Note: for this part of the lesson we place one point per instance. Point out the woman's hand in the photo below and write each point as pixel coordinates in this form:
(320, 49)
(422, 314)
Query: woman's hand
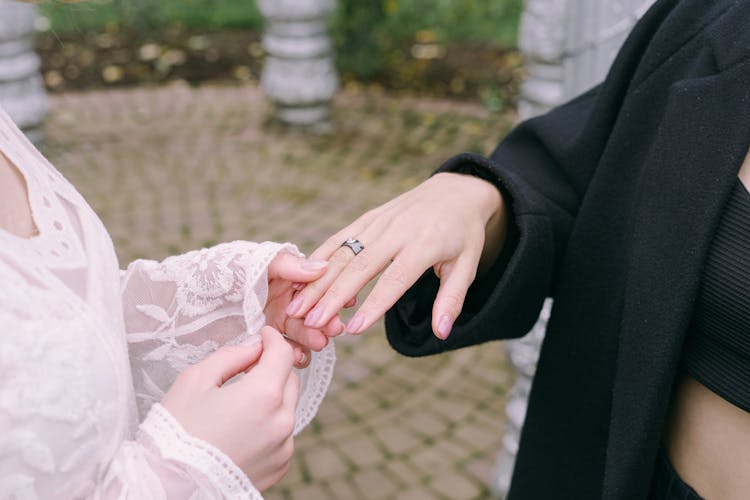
(250, 420)
(453, 223)
(286, 273)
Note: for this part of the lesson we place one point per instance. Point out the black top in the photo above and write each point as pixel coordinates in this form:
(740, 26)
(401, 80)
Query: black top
(717, 348)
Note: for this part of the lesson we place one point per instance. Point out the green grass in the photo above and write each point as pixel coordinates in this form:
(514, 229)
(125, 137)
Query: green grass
(448, 20)
(98, 15)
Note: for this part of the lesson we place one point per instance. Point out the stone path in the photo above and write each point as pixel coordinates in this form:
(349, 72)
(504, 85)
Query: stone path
(173, 168)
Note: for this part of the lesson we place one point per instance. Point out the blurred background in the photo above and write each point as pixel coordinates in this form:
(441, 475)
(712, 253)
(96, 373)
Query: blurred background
(448, 48)
(157, 115)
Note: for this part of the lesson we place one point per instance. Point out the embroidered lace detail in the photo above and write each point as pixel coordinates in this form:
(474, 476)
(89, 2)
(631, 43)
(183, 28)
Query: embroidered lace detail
(177, 445)
(196, 303)
(314, 383)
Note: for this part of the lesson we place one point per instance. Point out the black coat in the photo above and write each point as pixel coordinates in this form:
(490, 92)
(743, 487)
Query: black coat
(614, 198)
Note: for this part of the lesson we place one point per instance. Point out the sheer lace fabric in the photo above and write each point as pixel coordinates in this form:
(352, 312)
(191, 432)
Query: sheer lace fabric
(87, 351)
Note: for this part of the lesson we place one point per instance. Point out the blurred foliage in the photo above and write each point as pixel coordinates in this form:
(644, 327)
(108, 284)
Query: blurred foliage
(365, 31)
(370, 34)
(457, 48)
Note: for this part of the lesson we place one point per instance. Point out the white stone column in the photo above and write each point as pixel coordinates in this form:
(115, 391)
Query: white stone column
(21, 89)
(568, 46)
(299, 75)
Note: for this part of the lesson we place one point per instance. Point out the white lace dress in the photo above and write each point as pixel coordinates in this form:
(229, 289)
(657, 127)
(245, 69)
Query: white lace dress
(87, 351)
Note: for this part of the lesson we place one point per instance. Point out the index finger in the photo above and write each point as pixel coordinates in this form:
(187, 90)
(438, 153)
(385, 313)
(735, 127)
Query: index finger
(276, 362)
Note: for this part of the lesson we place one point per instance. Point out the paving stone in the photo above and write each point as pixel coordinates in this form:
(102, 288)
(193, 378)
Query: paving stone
(343, 490)
(415, 494)
(455, 486)
(397, 439)
(363, 452)
(325, 463)
(375, 484)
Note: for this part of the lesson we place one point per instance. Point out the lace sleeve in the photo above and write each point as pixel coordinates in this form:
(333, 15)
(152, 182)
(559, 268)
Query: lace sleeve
(181, 309)
(166, 463)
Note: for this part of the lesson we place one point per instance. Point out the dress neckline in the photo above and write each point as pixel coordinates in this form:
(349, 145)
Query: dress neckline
(56, 244)
(14, 170)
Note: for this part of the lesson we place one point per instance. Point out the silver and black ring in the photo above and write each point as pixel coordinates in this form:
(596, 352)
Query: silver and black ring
(354, 245)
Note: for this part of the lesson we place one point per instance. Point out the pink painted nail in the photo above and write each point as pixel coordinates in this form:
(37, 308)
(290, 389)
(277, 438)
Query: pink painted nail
(314, 265)
(355, 324)
(294, 306)
(301, 357)
(445, 326)
(312, 319)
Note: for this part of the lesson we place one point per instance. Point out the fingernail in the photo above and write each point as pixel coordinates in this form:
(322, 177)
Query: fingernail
(444, 327)
(252, 341)
(312, 319)
(294, 306)
(297, 286)
(355, 324)
(314, 265)
(301, 357)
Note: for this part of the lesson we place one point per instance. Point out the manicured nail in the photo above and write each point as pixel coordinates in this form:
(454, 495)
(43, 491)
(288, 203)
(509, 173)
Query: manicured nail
(252, 341)
(314, 265)
(444, 327)
(312, 319)
(355, 324)
(294, 306)
(301, 357)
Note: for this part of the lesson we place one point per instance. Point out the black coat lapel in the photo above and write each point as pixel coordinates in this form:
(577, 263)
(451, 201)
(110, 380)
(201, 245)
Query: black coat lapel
(700, 146)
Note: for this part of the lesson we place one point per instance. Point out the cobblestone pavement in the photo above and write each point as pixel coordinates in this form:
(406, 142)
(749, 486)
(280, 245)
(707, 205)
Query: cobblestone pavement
(174, 168)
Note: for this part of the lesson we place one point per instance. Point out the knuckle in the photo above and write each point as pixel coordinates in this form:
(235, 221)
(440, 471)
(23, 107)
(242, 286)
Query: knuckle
(269, 398)
(287, 449)
(340, 257)
(361, 263)
(285, 424)
(453, 300)
(334, 293)
(318, 343)
(395, 275)
(283, 470)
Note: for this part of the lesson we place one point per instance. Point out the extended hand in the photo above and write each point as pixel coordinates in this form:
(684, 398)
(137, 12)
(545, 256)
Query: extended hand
(284, 271)
(450, 222)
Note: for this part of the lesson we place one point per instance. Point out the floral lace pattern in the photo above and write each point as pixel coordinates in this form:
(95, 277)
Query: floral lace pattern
(84, 344)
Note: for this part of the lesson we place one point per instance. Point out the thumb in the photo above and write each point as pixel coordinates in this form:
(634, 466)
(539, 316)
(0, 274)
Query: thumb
(455, 279)
(289, 267)
(231, 360)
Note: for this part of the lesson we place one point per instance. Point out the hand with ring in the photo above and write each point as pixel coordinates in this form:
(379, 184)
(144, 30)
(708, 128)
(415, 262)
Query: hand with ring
(448, 223)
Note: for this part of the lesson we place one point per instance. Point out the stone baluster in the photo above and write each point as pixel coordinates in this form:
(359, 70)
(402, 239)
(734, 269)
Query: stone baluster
(568, 46)
(299, 75)
(21, 90)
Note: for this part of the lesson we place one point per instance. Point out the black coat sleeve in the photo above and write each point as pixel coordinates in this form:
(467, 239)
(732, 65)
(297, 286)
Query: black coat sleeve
(543, 168)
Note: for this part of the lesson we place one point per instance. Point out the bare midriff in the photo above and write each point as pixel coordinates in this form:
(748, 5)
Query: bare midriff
(708, 442)
(707, 438)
